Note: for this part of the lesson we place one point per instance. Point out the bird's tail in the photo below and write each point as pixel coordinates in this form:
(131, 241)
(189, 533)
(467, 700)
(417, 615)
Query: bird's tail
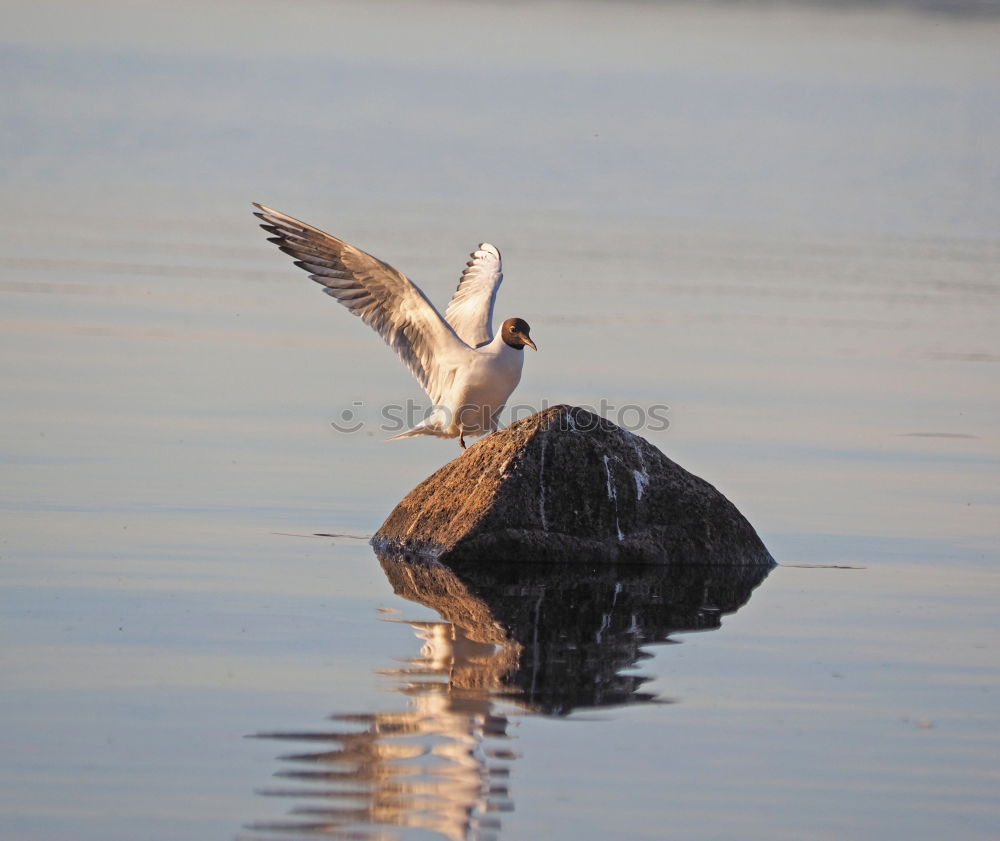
(419, 429)
(428, 426)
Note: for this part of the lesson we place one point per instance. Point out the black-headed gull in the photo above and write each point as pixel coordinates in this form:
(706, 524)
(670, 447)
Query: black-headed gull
(467, 372)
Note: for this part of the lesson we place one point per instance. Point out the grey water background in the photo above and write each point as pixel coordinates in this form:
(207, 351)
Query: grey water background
(779, 220)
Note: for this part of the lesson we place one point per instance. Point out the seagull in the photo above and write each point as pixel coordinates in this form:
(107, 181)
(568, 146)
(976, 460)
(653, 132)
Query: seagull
(467, 372)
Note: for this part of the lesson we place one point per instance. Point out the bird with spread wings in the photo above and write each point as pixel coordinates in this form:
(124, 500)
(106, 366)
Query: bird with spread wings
(466, 371)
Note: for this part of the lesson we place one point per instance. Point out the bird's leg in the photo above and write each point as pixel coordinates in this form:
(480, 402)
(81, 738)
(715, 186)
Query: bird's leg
(461, 437)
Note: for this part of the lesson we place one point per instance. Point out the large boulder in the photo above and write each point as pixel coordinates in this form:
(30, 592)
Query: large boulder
(565, 485)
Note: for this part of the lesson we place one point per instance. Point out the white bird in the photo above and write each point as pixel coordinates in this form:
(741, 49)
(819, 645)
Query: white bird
(467, 372)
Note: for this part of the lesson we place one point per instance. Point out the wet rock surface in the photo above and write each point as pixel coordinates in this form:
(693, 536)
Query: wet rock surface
(567, 486)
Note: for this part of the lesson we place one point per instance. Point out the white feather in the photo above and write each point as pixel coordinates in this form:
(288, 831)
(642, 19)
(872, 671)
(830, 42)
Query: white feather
(470, 311)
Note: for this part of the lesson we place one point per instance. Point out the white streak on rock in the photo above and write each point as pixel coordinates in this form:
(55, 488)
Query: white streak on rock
(641, 482)
(605, 624)
(613, 496)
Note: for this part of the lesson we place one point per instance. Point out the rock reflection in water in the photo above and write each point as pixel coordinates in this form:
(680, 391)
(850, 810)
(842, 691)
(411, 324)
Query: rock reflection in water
(566, 634)
(549, 639)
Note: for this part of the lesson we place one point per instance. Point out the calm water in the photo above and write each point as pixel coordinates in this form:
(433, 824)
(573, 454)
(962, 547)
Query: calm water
(778, 221)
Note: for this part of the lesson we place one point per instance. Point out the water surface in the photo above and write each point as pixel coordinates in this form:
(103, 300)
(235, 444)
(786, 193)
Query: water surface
(778, 221)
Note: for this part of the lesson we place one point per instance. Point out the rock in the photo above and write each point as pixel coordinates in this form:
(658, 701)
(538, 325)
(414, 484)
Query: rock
(565, 485)
(567, 637)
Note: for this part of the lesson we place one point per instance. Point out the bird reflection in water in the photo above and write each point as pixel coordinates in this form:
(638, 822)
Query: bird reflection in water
(537, 637)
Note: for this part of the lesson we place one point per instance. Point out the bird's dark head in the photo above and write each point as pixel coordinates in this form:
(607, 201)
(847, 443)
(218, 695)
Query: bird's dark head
(516, 333)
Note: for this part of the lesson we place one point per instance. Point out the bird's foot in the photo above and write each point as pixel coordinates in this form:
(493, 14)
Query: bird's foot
(461, 439)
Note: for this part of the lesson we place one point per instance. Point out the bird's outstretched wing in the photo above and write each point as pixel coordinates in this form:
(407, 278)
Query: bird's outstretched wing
(470, 311)
(384, 298)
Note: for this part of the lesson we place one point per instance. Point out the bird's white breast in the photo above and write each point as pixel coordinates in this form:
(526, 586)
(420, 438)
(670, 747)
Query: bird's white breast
(485, 382)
